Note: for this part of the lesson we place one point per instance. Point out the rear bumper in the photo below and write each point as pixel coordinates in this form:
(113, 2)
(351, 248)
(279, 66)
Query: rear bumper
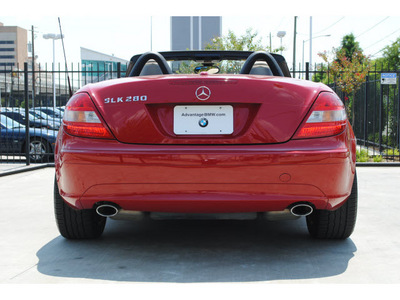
(205, 179)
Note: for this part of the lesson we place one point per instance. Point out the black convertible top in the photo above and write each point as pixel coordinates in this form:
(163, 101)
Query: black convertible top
(212, 55)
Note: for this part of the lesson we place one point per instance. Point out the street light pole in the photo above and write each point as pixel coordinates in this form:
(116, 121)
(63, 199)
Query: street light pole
(311, 38)
(151, 33)
(53, 37)
(294, 46)
(326, 35)
(281, 34)
(53, 69)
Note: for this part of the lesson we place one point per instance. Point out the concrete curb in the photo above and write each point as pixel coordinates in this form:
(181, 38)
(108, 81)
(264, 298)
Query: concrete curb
(375, 164)
(25, 169)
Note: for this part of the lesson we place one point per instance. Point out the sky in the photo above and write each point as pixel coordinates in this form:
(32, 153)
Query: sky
(123, 28)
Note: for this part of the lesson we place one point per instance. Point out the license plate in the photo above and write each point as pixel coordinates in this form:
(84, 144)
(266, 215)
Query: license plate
(203, 119)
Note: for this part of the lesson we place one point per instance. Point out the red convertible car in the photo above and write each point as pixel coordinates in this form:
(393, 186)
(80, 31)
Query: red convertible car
(206, 132)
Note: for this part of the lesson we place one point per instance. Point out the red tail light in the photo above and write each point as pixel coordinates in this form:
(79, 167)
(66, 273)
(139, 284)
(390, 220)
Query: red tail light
(81, 119)
(327, 118)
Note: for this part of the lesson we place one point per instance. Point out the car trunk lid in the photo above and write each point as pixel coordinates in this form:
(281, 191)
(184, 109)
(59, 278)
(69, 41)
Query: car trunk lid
(205, 109)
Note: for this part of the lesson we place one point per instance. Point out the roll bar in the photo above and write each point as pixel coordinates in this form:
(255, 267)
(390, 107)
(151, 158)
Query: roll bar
(265, 56)
(144, 58)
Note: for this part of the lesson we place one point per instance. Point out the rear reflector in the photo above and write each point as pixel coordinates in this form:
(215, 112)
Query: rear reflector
(81, 119)
(327, 118)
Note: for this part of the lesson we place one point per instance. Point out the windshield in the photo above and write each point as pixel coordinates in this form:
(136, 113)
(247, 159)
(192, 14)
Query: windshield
(51, 112)
(10, 123)
(31, 117)
(35, 115)
(211, 67)
(43, 115)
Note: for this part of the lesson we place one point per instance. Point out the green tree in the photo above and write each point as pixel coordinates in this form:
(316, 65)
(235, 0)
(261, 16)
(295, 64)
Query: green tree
(390, 57)
(348, 73)
(349, 45)
(250, 41)
(348, 69)
(389, 62)
(247, 42)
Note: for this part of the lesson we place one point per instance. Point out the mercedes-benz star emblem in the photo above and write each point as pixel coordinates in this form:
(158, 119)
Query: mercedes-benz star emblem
(203, 93)
(203, 122)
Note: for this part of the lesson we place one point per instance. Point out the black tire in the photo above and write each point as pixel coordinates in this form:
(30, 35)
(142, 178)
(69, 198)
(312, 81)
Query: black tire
(337, 224)
(76, 224)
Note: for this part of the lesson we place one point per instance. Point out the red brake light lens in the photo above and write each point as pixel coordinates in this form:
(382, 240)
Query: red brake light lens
(81, 119)
(327, 118)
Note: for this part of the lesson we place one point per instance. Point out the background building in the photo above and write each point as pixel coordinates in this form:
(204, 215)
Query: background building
(13, 47)
(98, 66)
(194, 33)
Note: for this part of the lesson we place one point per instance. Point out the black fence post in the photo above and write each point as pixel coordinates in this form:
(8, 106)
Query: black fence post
(118, 70)
(397, 142)
(27, 137)
(380, 119)
(307, 70)
(366, 111)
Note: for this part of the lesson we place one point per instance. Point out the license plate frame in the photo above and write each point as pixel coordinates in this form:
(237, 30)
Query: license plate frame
(203, 119)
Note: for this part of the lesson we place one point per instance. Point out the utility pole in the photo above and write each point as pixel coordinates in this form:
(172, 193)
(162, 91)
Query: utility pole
(33, 67)
(270, 42)
(311, 42)
(294, 45)
(151, 33)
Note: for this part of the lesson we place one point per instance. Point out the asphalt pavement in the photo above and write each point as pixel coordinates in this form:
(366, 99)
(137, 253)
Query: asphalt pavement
(198, 253)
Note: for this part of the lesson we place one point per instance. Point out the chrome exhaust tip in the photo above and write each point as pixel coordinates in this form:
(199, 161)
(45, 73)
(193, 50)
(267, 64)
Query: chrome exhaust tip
(107, 210)
(301, 210)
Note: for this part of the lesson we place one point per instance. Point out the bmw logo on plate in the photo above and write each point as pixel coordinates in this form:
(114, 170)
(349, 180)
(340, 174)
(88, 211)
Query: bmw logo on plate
(203, 122)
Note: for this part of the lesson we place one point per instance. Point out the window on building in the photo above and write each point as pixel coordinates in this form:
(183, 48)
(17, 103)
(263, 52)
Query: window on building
(95, 71)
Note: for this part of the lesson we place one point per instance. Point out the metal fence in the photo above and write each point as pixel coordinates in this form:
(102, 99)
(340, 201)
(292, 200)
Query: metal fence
(34, 99)
(374, 110)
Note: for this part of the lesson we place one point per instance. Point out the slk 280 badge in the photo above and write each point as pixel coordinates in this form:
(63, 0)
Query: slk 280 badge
(125, 99)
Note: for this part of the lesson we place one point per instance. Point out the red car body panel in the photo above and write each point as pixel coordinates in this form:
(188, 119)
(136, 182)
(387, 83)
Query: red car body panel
(266, 109)
(257, 168)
